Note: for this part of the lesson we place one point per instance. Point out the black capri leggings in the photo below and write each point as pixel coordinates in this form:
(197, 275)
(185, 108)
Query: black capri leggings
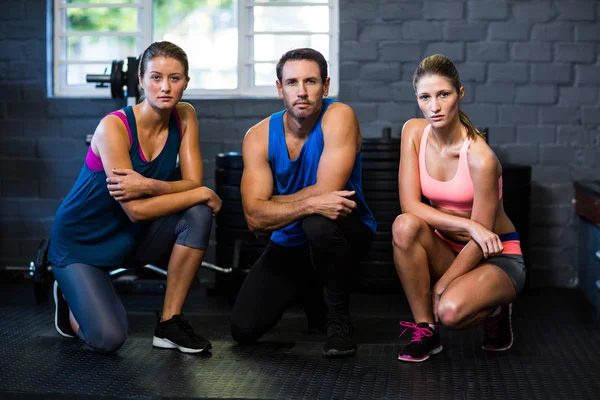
(89, 290)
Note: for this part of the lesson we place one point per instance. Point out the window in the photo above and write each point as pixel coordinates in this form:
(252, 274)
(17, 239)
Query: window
(232, 45)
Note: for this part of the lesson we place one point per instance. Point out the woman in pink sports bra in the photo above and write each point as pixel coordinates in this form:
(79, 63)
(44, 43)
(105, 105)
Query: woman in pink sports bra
(462, 243)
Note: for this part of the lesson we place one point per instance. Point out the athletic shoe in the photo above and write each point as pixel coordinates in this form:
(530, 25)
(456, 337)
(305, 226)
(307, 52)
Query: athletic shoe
(61, 314)
(425, 342)
(339, 339)
(176, 333)
(498, 335)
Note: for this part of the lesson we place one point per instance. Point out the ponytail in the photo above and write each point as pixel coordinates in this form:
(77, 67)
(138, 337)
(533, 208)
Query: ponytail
(472, 132)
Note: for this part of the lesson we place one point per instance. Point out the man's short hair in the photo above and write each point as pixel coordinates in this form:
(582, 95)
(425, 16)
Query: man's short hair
(303, 54)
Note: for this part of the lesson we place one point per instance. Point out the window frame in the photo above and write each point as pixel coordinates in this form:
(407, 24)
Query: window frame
(143, 35)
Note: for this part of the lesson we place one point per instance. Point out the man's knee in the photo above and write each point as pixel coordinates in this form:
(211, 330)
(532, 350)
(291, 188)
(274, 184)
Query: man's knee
(243, 335)
(318, 229)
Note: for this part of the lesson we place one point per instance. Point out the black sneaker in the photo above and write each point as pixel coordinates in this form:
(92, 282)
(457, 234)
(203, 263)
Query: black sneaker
(176, 333)
(339, 339)
(61, 314)
(498, 335)
(425, 342)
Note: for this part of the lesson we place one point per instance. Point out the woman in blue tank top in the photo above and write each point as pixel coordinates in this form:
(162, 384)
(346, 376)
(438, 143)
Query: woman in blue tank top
(124, 211)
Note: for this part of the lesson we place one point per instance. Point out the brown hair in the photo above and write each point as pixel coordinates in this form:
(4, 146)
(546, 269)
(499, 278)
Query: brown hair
(303, 54)
(167, 50)
(438, 64)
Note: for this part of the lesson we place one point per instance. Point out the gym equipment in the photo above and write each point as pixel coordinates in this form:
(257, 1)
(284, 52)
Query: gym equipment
(123, 82)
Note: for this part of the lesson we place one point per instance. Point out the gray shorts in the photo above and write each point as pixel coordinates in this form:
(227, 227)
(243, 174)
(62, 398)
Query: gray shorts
(513, 265)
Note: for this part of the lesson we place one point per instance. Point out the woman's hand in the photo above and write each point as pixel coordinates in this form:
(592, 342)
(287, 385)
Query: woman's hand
(490, 243)
(214, 201)
(126, 184)
(436, 293)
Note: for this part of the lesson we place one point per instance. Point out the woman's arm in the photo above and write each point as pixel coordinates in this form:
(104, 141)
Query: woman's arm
(111, 142)
(126, 184)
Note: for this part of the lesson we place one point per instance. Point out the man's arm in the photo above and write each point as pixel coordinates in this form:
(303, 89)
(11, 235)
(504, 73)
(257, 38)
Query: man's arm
(341, 143)
(261, 211)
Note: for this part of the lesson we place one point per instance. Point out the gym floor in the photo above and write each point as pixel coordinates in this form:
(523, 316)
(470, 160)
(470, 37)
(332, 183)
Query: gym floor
(556, 355)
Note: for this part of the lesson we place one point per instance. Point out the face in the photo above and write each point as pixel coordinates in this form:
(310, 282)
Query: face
(301, 88)
(438, 100)
(164, 82)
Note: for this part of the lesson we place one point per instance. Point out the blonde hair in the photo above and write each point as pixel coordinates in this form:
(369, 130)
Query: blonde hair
(438, 64)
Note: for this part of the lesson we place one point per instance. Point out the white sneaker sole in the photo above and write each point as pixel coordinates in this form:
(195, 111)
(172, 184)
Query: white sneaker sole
(55, 294)
(167, 344)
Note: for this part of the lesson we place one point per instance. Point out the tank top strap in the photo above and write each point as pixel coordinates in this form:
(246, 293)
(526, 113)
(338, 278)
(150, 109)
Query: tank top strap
(132, 126)
(463, 154)
(423, 146)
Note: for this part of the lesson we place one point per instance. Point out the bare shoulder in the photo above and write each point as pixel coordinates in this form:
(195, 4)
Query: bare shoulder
(256, 140)
(185, 109)
(258, 132)
(186, 112)
(482, 158)
(338, 113)
(413, 128)
(110, 126)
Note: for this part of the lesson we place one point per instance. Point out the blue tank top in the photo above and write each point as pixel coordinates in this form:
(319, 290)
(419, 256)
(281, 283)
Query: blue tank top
(294, 175)
(90, 226)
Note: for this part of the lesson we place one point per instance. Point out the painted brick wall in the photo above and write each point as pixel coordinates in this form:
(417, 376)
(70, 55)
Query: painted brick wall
(530, 68)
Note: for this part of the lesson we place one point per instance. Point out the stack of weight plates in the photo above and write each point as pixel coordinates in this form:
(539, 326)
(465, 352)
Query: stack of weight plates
(380, 160)
(237, 247)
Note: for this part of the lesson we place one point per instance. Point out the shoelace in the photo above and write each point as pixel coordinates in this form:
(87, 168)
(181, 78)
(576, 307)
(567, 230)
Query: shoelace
(338, 328)
(185, 326)
(418, 332)
(490, 326)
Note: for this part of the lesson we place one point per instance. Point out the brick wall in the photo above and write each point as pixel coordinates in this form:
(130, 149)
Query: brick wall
(530, 68)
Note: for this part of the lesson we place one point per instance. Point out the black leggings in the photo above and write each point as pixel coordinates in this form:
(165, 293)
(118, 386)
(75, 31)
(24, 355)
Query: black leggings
(89, 290)
(285, 276)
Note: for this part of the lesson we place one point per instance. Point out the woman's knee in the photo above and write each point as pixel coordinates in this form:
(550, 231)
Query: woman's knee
(406, 229)
(107, 339)
(451, 313)
(194, 229)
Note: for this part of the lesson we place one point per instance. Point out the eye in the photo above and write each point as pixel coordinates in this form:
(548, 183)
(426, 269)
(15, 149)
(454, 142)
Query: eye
(155, 77)
(423, 97)
(175, 78)
(444, 94)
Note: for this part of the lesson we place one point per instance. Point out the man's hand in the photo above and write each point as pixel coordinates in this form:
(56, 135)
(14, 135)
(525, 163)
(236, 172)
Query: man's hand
(127, 185)
(333, 205)
(490, 243)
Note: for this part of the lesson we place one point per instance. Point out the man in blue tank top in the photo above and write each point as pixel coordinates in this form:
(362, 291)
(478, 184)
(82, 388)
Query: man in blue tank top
(320, 223)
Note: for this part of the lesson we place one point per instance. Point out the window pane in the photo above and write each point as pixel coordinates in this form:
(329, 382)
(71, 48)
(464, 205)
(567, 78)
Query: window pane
(289, 1)
(102, 19)
(291, 19)
(87, 48)
(264, 75)
(99, 1)
(207, 32)
(272, 47)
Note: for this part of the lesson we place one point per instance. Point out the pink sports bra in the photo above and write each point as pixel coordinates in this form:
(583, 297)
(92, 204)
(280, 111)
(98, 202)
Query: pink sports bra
(455, 194)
